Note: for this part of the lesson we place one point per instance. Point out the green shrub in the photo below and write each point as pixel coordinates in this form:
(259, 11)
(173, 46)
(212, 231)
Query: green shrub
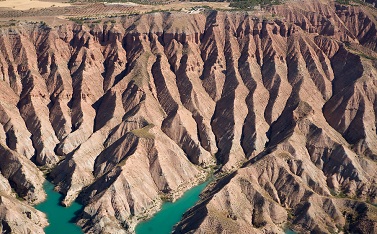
(250, 4)
(344, 2)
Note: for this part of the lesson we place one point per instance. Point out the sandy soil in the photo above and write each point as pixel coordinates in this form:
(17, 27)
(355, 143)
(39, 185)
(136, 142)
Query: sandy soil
(28, 4)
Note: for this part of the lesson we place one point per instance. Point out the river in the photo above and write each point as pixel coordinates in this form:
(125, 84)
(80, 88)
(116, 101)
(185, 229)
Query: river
(59, 217)
(171, 213)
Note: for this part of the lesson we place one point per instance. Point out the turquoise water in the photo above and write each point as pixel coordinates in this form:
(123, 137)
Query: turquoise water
(58, 216)
(170, 213)
(289, 231)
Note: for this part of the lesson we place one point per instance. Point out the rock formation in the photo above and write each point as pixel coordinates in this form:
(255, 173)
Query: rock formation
(124, 115)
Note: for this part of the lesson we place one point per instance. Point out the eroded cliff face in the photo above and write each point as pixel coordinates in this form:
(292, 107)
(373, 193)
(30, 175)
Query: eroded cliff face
(126, 114)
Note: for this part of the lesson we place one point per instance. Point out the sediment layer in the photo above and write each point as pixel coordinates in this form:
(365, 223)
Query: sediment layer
(129, 113)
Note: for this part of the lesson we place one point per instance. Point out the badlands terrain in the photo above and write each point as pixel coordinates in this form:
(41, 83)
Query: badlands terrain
(125, 112)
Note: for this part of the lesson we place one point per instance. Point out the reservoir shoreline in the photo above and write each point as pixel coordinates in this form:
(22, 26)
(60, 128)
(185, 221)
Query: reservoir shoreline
(171, 213)
(60, 218)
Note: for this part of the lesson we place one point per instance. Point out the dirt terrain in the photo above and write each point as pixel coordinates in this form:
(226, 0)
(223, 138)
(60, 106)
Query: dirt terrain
(28, 4)
(55, 13)
(124, 112)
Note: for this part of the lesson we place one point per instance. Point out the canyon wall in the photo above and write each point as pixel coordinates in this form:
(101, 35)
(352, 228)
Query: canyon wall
(125, 115)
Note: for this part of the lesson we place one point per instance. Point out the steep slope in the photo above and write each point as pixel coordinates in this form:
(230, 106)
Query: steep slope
(17, 216)
(124, 115)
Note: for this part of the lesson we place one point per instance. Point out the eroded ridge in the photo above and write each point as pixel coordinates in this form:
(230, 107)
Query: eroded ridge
(127, 114)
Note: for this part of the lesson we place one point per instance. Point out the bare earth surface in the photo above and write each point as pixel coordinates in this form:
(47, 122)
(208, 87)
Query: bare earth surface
(57, 12)
(126, 111)
(28, 4)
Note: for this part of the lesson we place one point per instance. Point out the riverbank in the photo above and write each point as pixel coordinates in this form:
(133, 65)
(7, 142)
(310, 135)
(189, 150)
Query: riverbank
(171, 212)
(60, 218)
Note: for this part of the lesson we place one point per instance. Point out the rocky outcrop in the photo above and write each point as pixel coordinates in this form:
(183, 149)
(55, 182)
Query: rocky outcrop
(15, 215)
(125, 115)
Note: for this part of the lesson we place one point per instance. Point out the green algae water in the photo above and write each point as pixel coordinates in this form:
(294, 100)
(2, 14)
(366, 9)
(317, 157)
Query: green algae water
(171, 213)
(59, 217)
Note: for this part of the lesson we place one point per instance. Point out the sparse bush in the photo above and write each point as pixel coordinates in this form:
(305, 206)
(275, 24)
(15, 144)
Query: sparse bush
(77, 20)
(344, 2)
(250, 4)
